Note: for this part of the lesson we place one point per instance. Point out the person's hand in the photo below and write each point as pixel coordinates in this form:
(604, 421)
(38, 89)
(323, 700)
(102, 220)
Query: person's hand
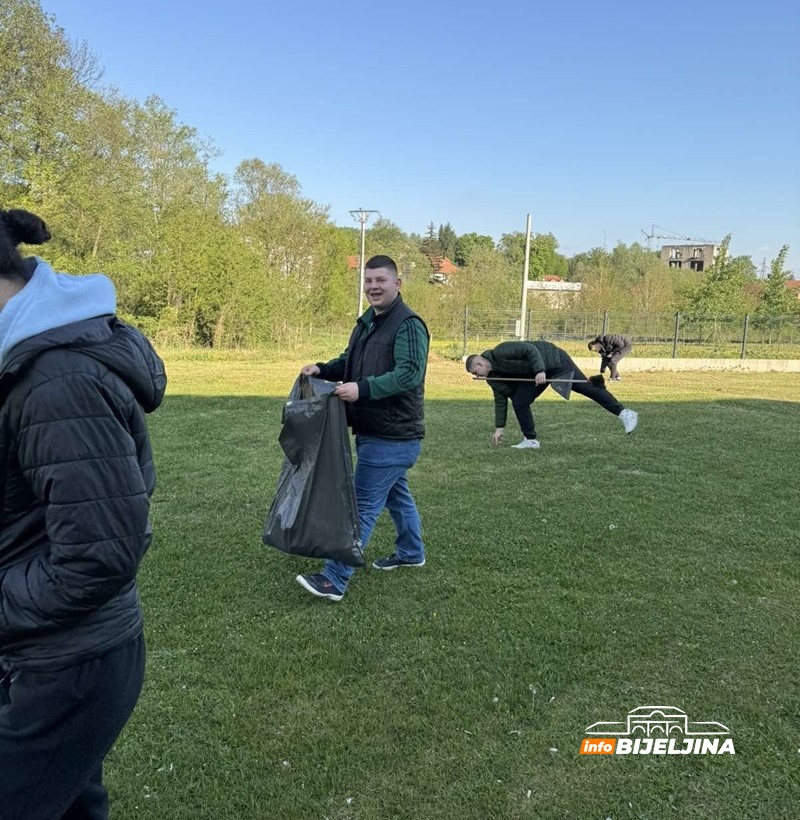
(540, 378)
(309, 370)
(498, 436)
(347, 391)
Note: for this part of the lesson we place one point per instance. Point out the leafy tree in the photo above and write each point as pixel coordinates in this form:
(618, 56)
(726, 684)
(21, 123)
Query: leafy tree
(291, 237)
(512, 247)
(545, 259)
(340, 285)
(386, 238)
(654, 292)
(722, 290)
(775, 298)
(467, 244)
(37, 95)
(98, 215)
(487, 282)
(647, 285)
(632, 263)
(181, 227)
(602, 288)
(44, 102)
(582, 264)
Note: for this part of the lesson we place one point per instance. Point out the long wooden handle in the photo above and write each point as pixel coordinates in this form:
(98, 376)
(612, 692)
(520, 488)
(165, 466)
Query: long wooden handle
(512, 379)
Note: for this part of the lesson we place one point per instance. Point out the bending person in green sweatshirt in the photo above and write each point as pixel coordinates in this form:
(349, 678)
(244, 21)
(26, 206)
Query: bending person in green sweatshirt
(537, 361)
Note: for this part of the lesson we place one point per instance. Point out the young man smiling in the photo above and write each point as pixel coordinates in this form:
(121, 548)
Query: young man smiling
(383, 382)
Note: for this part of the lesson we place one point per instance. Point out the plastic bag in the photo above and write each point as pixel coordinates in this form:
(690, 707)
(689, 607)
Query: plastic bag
(314, 511)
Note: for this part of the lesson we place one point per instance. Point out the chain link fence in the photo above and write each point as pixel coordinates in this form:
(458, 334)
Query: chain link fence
(673, 335)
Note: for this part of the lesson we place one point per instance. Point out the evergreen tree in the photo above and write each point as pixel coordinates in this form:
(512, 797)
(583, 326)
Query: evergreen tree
(447, 241)
(430, 247)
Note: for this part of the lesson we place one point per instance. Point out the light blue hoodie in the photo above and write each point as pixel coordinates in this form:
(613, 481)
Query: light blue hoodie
(50, 300)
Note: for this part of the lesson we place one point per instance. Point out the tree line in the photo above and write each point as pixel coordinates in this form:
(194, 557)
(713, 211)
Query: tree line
(246, 259)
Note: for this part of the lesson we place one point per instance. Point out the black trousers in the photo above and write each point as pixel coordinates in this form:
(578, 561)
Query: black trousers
(56, 729)
(527, 392)
(613, 360)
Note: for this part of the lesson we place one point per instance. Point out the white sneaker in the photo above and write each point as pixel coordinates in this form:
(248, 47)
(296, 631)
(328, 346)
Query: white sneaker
(527, 444)
(629, 419)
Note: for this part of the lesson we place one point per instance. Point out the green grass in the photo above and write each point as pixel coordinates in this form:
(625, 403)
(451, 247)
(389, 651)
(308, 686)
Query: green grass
(563, 586)
(453, 349)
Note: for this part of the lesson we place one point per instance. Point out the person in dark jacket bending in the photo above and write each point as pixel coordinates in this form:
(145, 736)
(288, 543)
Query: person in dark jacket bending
(383, 375)
(537, 362)
(76, 475)
(611, 348)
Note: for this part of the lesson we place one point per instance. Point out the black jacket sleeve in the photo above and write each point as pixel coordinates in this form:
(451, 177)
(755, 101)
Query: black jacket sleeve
(77, 454)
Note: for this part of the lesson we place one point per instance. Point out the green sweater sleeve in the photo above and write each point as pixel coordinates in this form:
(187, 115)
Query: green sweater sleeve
(410, 357)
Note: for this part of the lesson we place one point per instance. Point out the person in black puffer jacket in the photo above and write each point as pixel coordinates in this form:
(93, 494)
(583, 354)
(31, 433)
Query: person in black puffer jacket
(76, 476)
(612, 348)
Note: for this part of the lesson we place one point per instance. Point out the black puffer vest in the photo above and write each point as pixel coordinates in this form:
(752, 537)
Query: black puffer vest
(371, 353)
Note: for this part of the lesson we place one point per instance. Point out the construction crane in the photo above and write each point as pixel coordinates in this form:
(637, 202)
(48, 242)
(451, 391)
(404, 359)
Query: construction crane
(665, 234)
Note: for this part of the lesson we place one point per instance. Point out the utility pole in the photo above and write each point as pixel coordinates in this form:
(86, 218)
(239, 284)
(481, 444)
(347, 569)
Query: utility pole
(362, 216)
(525, 268)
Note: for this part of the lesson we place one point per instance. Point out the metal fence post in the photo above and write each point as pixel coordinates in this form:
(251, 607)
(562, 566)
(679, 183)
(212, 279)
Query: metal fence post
(466, 324)
(675, 336)
(744, 335)
(528, 328)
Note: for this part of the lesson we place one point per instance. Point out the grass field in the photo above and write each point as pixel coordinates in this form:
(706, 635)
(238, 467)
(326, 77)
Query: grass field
(564, 586)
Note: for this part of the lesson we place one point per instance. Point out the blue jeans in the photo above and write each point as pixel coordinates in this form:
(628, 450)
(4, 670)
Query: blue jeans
(380, 480)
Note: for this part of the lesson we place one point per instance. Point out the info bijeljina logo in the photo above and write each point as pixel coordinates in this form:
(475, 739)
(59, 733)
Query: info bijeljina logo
(658, 730)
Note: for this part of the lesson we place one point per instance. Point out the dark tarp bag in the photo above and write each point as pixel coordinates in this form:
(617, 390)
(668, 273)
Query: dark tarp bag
(314, 511)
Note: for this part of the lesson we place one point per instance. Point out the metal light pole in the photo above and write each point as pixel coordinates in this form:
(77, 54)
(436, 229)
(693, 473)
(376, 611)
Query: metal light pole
(362, 217)
(525, 269)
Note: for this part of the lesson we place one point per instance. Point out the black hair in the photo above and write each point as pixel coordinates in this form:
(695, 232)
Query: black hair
(17, 227)
(470, 359)
(375, 262)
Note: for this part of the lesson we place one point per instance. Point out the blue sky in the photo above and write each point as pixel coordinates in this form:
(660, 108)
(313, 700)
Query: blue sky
(599, 118)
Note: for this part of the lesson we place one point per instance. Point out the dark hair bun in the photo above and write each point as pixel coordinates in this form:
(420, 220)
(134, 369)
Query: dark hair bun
(23, 226)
